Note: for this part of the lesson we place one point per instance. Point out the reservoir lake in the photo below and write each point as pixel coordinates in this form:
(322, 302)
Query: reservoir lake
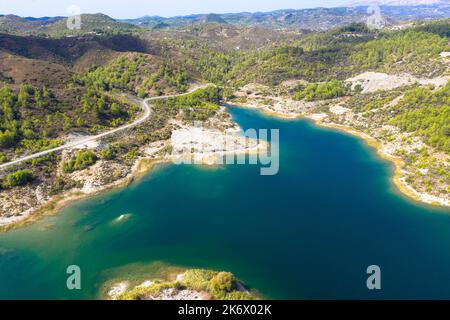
(309, 232)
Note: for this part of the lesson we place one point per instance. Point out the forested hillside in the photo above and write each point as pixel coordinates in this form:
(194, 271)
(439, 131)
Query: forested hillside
(138, 73)
(32, 119)
(426, 112)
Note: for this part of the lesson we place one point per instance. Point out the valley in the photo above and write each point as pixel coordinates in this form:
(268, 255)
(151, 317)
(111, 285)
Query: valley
(124, 147)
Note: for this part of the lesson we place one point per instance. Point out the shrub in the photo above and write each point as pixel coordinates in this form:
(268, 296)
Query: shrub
(198, 279)
(108, 153)
(81, 161)
(7, 139)
(223, 281)
(18, 178)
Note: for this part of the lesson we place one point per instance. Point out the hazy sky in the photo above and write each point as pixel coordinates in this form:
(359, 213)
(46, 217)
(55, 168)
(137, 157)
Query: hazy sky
(165, 8)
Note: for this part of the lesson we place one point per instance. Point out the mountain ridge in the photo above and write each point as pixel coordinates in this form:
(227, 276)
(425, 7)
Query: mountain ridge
(315, 19)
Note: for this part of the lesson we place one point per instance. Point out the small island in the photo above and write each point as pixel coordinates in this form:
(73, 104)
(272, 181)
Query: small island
(192, 284)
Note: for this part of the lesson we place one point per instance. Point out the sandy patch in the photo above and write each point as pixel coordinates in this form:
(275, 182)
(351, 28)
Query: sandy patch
(5, 220)
(424, 197)
(317, 116)
(74, 137)
(173, 294)
(339, 110)
(118, 289)
(180, 277)
(207, 146)
(375, 81)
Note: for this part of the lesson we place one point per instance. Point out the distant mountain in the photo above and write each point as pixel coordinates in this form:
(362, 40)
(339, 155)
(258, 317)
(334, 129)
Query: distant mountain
(392, 11)
(224, 36)
(16, 25)
(94, 23)
(181, 21)
(398, 2)
(212, 18)
(57, 26)
(312, 19)
(44, 18)
(161, 25)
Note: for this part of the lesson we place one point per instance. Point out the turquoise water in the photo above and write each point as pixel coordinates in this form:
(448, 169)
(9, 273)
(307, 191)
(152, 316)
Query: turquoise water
(307, 233)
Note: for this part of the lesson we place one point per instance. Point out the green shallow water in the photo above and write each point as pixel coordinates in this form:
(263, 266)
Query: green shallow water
(307, 233)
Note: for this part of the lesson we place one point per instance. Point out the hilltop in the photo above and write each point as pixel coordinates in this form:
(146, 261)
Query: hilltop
(57, 26)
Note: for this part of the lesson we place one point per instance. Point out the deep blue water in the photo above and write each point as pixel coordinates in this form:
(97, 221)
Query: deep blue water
(309, 232)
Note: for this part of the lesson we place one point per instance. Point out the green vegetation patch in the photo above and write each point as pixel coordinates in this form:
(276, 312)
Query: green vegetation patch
(81, 161)
(322, 91)
(138, 73)
(406, 51)
(426, 112)
(32, 118)
(441, 28)
(17, 179)
(199, 105)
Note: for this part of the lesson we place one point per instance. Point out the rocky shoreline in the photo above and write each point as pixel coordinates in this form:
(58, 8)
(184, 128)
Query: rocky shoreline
(398, 179)
(204, 146)
(333, 114)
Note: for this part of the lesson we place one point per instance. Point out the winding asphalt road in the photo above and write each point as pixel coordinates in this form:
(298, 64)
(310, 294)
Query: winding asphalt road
(147, 113)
